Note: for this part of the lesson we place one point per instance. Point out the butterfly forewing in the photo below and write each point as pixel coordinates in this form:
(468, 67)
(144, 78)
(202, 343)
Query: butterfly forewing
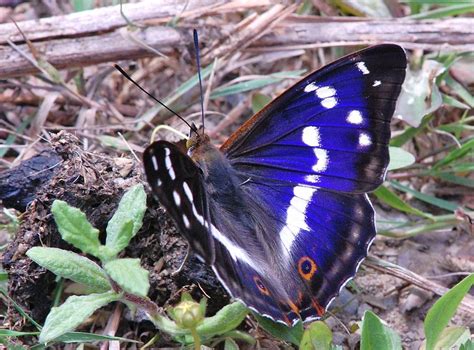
(177, 182)
(331, 129)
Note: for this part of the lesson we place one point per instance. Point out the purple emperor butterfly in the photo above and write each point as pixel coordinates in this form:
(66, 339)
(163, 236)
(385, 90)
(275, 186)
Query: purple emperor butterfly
(281, 211)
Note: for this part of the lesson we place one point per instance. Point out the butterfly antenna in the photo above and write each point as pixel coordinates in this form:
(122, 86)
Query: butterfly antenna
(198, 63)
(193, 128)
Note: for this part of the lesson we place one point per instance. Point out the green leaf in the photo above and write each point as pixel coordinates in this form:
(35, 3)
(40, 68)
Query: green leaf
(377, 336)
(364, 8)
(460, 90)
(463, 181)
(465, 149)
(129, 275)
(290, 334)
(317, 336)
(390, 198)
(225, 320)
(441, 203)
(82, 337)
(255, 83)
(469, 345)
(230, 344)
(11, 333)
(114, 142)
(240, 336)
(444, 309)
(127, 220)
(72, 266)
(399, 158)
(3, 276)
(259, 101)
(445, 11)
(72, 313)
(453, 102)
(451, 338)
(75, 228)
(410, 132)
(83, 5)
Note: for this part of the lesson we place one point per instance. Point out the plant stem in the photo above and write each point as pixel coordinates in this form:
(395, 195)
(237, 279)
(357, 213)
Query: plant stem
(197, 339)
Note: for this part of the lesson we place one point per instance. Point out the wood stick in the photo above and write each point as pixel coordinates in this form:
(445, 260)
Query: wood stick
(91, 37)
(466, 305)
(450, 34)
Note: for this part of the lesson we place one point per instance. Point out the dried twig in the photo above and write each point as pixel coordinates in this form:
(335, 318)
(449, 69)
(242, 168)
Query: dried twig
(91, 37)
(467, 304)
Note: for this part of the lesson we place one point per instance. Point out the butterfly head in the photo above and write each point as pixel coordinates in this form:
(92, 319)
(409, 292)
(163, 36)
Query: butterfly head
(197, 142)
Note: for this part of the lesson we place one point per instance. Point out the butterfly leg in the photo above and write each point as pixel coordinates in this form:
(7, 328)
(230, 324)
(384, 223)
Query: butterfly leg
(178, 270)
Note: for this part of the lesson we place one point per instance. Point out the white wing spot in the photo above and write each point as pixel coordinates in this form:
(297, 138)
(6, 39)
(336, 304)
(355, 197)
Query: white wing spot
(176, 198)
(311, 136)
(171, 171)
(296, 216)
(186, 221)
(321, 161)
(158, 182)
(168, 164)
(329, 103)
(310, 87)
(376, 83)
(155, 163)
(325, 91)
(364, 140)
(312, 178)
(362, 67)
(354, 117)
(236, 252)
(188, 192)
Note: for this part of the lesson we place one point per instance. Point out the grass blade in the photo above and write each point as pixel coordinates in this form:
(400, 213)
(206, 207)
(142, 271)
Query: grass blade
(437, 202)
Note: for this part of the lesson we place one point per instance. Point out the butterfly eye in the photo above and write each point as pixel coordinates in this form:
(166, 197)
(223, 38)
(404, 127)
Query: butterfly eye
(261, 287)
(306, 267)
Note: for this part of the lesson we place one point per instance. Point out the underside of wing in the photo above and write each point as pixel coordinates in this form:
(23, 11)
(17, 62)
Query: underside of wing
(330, 130)
(177, 182)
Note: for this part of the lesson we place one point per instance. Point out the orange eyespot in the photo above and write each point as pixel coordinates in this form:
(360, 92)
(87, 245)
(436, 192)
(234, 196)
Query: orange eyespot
(306, 267)
(261, 287)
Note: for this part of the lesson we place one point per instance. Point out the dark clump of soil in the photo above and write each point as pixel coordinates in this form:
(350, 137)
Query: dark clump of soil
(95, 183)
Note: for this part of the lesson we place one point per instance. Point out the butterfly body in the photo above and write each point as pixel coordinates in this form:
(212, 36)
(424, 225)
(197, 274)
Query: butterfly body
(280, 211)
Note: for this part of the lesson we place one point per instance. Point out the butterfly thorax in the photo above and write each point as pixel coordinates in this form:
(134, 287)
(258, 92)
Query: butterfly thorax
(222, 181)
(228, 196)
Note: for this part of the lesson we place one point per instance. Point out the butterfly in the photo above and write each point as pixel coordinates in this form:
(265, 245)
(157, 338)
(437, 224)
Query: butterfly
(280, 211)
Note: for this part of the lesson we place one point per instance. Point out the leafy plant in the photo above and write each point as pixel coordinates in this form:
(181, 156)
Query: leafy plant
(120, 279)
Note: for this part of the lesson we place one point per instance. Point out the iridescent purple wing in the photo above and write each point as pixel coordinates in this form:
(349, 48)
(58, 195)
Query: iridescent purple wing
(309, 157)
(331, 129)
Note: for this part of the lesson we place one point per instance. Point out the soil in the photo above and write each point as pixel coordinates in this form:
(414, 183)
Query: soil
(95, 183)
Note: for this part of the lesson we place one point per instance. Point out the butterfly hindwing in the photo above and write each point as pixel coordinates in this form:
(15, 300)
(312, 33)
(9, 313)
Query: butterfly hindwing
(331, 129)
(323, 237)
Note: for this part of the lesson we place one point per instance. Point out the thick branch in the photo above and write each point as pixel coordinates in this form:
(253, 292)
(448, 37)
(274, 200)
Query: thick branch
(452, 34)
(91, 37)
